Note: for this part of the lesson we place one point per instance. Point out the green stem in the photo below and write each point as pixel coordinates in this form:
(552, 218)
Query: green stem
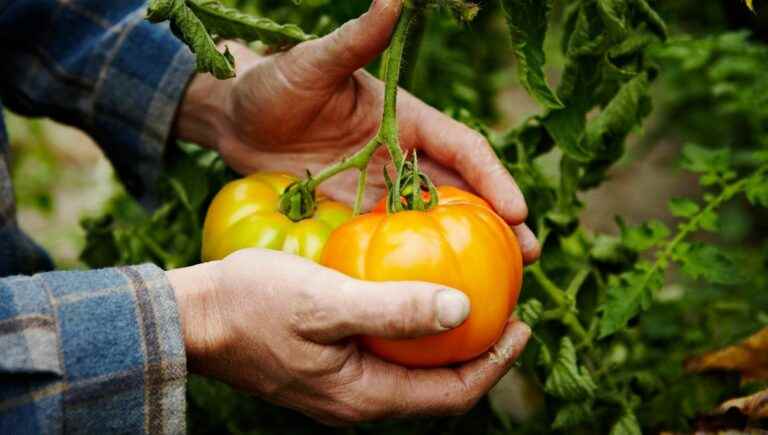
(388, 133)
(554, 292)
(694, 224)
(362, 177)
(393, 60)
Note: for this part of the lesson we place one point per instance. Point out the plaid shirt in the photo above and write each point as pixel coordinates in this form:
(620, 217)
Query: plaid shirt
(98, 351)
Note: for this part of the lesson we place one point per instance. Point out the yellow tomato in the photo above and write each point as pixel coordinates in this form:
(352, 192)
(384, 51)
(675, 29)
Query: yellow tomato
(245, 214)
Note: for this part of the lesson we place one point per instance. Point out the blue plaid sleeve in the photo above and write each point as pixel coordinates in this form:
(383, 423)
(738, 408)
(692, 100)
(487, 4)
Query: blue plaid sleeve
(100, 66)
(91, 352)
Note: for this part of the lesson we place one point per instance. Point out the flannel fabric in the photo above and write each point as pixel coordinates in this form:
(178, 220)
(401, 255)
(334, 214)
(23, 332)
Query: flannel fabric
(98, 351)
(91, 352)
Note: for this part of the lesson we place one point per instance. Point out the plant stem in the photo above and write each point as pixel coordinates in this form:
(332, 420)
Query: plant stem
(728, 192)
(393, 60)
(388, 133)
(554, 292)
(362, 177)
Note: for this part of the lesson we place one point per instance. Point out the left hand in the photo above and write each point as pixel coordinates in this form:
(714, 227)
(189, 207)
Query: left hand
(306, 108)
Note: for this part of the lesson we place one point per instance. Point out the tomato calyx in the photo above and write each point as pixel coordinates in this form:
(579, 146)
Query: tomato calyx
(411, 188)
(299, 201)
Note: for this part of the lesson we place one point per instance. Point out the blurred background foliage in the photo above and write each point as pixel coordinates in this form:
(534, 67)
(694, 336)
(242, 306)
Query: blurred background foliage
(712, 91)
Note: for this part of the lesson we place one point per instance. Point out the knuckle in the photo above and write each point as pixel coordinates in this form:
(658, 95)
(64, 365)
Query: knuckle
(312, 316)
(408, 315)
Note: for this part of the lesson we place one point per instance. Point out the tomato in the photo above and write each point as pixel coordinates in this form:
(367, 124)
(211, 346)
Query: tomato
(460, 243)
(245, 214)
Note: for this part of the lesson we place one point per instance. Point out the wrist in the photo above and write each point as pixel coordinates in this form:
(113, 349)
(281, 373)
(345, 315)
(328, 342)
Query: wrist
(202, 328)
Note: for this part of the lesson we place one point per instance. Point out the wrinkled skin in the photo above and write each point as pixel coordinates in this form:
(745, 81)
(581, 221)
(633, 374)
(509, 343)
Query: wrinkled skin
(279, 326)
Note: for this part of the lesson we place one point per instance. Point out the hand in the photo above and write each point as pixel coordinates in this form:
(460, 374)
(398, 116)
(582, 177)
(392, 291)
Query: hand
(308, 107)
(279, 326)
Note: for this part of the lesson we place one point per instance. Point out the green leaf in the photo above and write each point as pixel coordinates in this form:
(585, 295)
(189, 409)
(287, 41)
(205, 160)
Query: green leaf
(626, 425)
(757, 191)
(527, 21)
(229, 23)
(613, 13)
(709, 221)
(645, 236)
(606, 133)
(652, 18)
(567, 380)
(573, 414)
(529, 312)
(699, 159)
(710, 263)
(627, 295)
(683, 207)
(196, 22)
(609, 249)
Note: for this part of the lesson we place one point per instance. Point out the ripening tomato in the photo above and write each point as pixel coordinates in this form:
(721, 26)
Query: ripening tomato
(461, 243)
(245, 214)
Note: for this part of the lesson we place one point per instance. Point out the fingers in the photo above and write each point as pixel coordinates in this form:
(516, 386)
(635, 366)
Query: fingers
(529, 244)
(387, 390)
(352, 46)
(386, 309)
(457, 146)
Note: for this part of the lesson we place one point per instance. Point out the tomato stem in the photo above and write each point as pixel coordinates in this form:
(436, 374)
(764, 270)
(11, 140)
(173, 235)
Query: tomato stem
(388, 134)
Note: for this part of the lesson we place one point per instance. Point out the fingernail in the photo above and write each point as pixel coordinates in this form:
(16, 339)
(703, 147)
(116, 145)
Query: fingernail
(452, 308)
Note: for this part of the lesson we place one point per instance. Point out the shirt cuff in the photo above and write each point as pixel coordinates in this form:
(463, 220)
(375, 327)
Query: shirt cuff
(104, 353)
(142, 82)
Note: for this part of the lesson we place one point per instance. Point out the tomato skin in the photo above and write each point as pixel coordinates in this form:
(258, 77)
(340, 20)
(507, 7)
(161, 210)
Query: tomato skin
(245, 214)
(462, 244)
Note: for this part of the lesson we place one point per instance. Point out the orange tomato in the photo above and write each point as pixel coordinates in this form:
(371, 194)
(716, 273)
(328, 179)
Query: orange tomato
(461, 243)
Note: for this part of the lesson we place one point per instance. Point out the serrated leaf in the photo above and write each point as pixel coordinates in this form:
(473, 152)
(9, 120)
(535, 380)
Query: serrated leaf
(528, 21)
(645, 236)
(567, 380)
(196, 22)
(683, 207)
(613, 13)
(626, 109)
(757, 191)
(627, 296)
(710, 263)
(573, 414)
(696, 158)
(529, 312)
(626, 425)
(652, 18)
(230, 23)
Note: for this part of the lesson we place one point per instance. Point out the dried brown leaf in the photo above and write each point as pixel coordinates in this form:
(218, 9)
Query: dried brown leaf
(750, 358)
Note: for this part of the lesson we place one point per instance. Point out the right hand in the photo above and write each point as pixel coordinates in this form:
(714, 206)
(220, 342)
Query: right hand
(279, 326)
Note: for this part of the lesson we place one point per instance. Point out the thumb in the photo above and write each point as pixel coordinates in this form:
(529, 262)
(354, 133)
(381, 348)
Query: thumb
(394, 310)
(351, 46)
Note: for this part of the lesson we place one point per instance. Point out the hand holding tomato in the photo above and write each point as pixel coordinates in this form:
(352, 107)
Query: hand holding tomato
(314, 104)
(278, 325)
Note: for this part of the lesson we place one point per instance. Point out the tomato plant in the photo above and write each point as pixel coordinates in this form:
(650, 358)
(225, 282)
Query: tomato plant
(616, 311)
(246, 214)
(460, 243)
